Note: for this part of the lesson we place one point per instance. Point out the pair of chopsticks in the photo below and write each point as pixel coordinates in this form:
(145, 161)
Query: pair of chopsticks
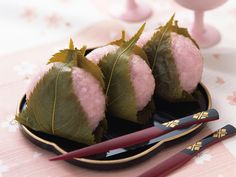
(179, 159)
(141, 136)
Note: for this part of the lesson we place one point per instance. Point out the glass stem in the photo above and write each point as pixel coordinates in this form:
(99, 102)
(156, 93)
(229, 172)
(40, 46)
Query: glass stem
(198, 24)
(131, 4)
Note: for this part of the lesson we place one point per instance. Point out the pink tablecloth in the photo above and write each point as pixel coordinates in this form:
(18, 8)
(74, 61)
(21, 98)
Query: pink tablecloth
(31, 32)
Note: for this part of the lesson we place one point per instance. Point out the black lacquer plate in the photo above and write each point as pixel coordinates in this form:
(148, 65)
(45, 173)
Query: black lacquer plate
(121, 158)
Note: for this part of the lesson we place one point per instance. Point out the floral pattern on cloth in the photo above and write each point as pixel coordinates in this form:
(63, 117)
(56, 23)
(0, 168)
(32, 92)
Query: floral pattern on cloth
(232, 98)
(29, 14)
(203, 157)
(3, 168)
(25, 69)
(220, 80)
(10, 124)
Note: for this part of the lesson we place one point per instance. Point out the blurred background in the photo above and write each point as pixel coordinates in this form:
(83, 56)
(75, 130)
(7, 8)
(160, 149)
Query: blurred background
(31, 23)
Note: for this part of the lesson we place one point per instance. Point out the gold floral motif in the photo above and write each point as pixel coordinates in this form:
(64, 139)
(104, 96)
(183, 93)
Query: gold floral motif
(200, 115)
(220, 133)
(171, 123)
(196, 146)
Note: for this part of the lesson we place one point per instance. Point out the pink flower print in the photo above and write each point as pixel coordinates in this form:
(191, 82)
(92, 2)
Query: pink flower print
(203, 157)
(29, 14)
(36, 154)
(233, 12)
(3, 168)
(216, 56)
(25, 69)
(53, 20)
(10, 124)
(220, 80)
(232, 98)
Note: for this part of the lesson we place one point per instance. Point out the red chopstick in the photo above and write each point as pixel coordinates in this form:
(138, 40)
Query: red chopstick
(141, 136)
(182, 157)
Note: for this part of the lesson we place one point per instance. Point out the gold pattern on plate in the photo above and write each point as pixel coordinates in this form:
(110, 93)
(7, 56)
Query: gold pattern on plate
(171, 123)
(200, 115)
(220, 133)
(196, 146)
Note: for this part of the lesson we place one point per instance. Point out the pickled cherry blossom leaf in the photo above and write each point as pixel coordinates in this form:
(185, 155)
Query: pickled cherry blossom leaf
(100, 130)
(83, 50)
(183, 31)
(119, 88)
(145, 114)
(66, 55)
(121, 100)
(75, 57)
(140, 52)
(71, 45)
(90, 67)
(158, 50)
(136, 50)
(120, 41)
(53, 108)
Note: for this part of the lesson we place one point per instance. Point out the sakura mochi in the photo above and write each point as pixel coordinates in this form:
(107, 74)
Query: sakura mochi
(175, 59)
(66, 99)
(140, 72)
(129, 80)
(85, 87)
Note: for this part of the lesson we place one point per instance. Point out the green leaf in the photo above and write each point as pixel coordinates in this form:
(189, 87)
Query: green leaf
(124, 51)
(83, 50)
(121, 41)
(100, 130)
(119, 89)
(140, 52)
(158, 50)
(75, 57)
(71, 45)
(54, 109)
(182, 31)
(90, 67)
(136, 50)
(66, 56)
(144, 115)
(163, 32)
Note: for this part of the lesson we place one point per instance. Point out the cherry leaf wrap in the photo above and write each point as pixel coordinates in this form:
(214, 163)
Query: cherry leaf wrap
(66, 55)
(75, 57)
(67, 119)
(136, 49)
(146, 113)
(53, 106)
(90, 67)
(158, 50)
(118, 86)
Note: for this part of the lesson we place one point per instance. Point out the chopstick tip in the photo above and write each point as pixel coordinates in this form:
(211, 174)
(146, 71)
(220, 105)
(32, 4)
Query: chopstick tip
(55, 158)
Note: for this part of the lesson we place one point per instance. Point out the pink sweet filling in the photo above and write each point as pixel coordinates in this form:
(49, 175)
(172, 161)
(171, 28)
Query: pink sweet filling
(188, 61)
(142, 80)
(36, 79)
(90, 95)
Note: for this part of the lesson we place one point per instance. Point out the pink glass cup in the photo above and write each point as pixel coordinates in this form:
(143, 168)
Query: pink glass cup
(205, 35)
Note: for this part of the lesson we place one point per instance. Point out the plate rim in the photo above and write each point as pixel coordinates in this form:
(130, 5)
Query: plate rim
(122, 160)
